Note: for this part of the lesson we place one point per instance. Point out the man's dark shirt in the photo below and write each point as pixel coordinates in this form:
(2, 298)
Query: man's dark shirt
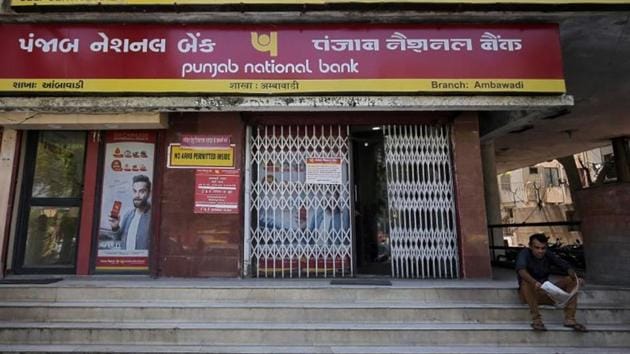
(539, 269)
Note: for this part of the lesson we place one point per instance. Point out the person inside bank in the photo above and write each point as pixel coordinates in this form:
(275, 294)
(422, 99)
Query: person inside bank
(133, 229)
(533, 268)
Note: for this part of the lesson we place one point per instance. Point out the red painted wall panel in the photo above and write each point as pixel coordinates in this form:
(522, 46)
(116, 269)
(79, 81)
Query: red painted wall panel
(199, 245)
(84, 251)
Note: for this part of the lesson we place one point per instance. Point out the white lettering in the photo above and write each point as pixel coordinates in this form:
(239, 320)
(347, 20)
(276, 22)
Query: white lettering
(194, 43)
(343, 45)
(336, 68)
(27, 45)
(213, 69)
(271, 67)
(491, 42)
(125, 45)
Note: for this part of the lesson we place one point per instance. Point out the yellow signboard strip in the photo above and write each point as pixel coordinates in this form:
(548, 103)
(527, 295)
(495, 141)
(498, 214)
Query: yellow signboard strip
(295, 2)
(248, 86)
(180, 157)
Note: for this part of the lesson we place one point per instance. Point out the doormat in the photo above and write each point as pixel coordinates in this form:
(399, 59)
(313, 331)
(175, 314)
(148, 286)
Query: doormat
(30, 281)
(377, 282)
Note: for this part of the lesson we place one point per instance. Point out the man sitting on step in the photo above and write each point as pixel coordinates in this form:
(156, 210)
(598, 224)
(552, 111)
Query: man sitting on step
(533, 268)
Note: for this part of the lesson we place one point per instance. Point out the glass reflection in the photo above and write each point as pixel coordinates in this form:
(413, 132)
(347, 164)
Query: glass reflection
(52, 236)
(59, 164)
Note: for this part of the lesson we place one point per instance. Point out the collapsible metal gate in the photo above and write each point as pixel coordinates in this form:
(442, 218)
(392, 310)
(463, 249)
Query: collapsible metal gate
(421, 202)
(296, 227)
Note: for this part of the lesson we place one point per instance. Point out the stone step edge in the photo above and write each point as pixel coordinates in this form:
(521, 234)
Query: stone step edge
(452, 349)
(172, 304)
(282, 284)
(281, 326)
(286, 285)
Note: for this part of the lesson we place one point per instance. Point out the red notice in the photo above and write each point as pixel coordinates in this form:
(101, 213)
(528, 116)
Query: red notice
(217, 191)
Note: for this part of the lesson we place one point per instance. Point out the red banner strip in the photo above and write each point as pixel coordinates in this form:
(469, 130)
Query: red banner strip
(277, 59)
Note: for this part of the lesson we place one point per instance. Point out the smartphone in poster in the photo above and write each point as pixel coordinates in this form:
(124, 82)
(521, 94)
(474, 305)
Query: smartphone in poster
(125, 220)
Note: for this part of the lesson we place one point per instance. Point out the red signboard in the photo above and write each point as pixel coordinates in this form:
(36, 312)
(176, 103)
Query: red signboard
(126, 135)
(78, 58)
(217, 191)
(192, 141)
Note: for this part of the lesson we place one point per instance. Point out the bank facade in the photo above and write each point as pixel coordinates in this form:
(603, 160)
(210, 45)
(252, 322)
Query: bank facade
(298, 150)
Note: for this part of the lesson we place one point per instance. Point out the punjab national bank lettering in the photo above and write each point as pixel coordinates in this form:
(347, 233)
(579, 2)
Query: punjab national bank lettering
(277, 60)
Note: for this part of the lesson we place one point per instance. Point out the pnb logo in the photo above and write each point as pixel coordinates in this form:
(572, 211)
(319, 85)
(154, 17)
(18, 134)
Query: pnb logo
(266, 43)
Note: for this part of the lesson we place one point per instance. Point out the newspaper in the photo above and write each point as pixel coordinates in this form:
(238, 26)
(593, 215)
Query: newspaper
(560, 297)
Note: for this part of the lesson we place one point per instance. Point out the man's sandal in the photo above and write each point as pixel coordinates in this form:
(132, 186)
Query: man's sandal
(578, 327)
(539, 327)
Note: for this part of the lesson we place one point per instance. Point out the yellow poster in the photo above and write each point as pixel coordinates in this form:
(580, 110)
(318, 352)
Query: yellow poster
(181, 157)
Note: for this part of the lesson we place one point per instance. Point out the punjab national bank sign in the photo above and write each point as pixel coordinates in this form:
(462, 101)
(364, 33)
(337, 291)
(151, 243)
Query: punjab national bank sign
(291, 59)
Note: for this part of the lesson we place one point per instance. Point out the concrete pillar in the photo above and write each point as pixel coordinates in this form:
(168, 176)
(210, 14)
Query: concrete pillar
(8, 156)
(573, 175)
(491, 195)
(605, 224)
(471, 210)
(622, 159)
(605, 228)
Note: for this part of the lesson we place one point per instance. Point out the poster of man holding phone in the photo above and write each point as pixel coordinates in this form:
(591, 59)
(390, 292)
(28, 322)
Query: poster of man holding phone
(133, 229)
(124, 234)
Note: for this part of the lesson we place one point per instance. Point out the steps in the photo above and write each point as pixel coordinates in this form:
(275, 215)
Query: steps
(246, 316)
(91, 311)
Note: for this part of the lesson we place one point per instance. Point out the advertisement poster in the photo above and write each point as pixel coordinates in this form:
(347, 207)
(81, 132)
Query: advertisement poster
(217, 191)
(125, 220)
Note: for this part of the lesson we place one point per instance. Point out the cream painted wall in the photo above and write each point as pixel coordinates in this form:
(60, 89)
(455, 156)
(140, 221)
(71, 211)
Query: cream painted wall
(7, 158)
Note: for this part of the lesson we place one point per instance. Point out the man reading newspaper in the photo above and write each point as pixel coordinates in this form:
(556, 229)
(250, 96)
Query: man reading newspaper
(533, 267)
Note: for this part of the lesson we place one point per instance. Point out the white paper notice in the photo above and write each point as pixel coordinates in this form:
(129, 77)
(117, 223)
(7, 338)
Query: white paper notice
(323, 170)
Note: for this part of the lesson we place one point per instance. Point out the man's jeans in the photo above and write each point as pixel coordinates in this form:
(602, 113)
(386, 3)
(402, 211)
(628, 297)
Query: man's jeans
(534, 297)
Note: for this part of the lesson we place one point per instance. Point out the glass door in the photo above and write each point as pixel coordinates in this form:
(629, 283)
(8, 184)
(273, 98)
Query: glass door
(50, 205)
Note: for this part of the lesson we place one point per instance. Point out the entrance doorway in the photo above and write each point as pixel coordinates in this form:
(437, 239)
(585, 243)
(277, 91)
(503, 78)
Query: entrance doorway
(50, 202)
(404, 201)
(373, 254)
(307, 217)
